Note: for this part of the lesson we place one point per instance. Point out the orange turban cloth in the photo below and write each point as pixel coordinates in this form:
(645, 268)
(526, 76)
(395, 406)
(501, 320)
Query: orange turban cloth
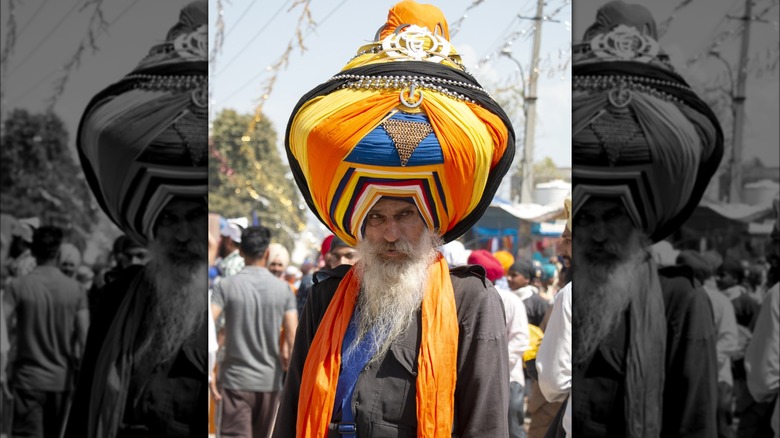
(143, 140)
(402, 119)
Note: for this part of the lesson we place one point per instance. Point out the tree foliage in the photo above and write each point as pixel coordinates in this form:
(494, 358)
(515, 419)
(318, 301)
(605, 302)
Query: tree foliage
(247, 176)
(39, 176)
(545, 170)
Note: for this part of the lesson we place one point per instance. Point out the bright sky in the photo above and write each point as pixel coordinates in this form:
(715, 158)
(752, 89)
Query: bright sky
(257, 33)
(48, 34)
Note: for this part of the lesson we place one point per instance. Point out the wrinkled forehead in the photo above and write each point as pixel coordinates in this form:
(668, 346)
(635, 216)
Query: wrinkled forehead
(608, 204)
(600, 206)
(391, 205)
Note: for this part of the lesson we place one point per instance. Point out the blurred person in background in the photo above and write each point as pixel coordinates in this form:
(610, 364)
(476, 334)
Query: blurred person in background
(553, 360)
(257, 307)
(278, 259)
(50, 317)
(517, 336)
(69, 259)
(230, 261)
(727, 344)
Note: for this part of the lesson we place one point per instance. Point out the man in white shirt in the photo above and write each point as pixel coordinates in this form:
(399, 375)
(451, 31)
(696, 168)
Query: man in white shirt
(553, 360)
(517, 336)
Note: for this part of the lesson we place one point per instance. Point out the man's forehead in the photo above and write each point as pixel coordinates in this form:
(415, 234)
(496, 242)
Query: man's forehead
(602, 205)
(392, 205)
(343, 250)
(184, 206)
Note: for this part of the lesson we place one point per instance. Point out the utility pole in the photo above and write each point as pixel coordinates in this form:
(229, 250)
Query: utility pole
(739, 109)
(527, 187)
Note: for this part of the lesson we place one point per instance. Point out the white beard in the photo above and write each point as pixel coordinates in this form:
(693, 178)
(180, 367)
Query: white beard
(391, 290)
(604, 289)
(177, 307)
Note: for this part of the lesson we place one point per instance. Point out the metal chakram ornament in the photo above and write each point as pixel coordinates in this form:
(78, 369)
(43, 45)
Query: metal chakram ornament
(624, 43)
(619, 96)
(411, 94)
(194, 45)
(410, 43)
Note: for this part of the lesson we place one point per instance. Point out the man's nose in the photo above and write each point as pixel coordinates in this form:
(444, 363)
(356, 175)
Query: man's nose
(599, 232)
(183, 232)
(392, 230)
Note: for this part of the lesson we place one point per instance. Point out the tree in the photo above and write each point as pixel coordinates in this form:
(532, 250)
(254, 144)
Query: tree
(545, 170)
(247, 175)
(40, 177)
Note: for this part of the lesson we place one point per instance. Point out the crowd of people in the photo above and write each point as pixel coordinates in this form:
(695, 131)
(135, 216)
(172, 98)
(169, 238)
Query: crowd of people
(395, 328)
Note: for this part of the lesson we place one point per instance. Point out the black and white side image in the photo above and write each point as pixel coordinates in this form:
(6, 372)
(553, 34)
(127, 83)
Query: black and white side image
(104, 219)
(674, 202)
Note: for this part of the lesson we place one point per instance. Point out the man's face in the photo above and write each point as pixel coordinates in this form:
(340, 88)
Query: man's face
(724, 279)
(68, 267)
(516, 280)
(182, 229)
(342, 255)
(390, 223)
(277, 267)
(564, 246)
(134, 256)
(603, 229)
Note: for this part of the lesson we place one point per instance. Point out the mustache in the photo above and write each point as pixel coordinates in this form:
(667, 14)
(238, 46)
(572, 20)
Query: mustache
(609, 252)
(403, 247)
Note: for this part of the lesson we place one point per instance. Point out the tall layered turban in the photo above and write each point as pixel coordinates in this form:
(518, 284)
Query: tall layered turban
(402, 119)
(142, 141)
(639, 132)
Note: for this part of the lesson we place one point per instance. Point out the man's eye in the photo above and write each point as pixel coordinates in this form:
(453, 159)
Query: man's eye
(166, 218)
(197, 214)
(375, 219)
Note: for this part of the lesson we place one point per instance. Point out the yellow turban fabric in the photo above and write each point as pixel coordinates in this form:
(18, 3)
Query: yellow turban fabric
(402, 119)
(143, 140)
(639, 132)
(505, 258)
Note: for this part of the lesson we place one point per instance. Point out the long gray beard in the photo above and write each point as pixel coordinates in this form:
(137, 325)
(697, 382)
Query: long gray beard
(602, 292)
(391, 291)
(177, 308)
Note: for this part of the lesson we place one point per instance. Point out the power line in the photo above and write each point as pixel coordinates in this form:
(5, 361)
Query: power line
(243, 14)
(254, 78)
(42, 80)
(35, 14)
(262, 28)
(48, 35)
(32, 88)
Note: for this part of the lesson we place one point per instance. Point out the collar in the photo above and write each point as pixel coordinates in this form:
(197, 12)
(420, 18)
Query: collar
(526, 292)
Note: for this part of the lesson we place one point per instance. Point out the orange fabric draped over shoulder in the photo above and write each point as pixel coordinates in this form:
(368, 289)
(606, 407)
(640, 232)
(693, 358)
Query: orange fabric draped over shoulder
(437, 360)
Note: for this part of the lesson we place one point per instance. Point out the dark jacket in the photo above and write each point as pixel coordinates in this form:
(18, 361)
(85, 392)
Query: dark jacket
(384, 399)
(690, 383)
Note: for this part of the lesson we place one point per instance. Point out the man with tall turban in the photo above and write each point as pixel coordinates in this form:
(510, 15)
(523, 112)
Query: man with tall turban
(400, 151)
(143, 147)
(644, 148)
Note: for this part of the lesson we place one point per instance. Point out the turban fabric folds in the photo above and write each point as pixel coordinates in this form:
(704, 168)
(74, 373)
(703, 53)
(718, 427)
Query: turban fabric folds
(639, 132)
(143, 140)
(403, 119)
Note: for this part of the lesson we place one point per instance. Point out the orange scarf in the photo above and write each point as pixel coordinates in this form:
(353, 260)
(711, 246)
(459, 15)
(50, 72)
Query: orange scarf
(437, 360)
